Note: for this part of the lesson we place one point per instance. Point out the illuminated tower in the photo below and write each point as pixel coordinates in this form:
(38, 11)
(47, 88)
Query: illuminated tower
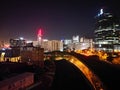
(107, 32)
(39, 37)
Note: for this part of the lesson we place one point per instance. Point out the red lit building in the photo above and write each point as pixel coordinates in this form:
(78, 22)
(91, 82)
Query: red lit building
(19, 82)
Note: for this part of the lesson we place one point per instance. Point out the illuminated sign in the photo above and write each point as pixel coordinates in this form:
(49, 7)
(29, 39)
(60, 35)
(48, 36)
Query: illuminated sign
(101, 12)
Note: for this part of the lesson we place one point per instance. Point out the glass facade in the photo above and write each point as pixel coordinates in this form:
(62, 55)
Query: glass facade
(107, 32)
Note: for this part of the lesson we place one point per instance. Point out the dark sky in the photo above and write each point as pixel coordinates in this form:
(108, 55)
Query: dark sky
(58, 19)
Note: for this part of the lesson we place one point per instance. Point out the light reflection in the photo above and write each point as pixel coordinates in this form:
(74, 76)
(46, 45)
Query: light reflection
(94, 80)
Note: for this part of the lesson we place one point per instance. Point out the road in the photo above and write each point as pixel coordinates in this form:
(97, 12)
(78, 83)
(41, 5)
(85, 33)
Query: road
(108, 73)
(89, 74)
(101, 74)
(69, 77)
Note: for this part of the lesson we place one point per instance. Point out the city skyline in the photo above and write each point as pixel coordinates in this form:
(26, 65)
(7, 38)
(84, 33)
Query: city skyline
(57, 19)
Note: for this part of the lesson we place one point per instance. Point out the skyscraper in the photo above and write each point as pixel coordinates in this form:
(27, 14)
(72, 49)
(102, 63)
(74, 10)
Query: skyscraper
(107, 32)
(39, 37)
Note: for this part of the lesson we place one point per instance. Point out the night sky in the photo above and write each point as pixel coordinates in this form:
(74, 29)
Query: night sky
(58, 19)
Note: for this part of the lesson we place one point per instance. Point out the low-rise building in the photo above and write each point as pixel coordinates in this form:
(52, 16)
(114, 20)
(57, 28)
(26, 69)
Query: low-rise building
(19, 82)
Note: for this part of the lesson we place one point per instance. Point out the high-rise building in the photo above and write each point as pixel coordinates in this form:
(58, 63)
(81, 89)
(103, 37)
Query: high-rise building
(76, 39)
(39, 37)
(107, 32)
(50, 45)
(77, 43)
(17, 42)
(25, 51)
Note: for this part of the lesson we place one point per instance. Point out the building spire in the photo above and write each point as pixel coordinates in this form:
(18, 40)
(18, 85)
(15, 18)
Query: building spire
(39, 36)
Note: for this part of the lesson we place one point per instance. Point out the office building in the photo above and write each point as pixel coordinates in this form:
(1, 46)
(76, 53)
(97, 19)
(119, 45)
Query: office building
(107, 32)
